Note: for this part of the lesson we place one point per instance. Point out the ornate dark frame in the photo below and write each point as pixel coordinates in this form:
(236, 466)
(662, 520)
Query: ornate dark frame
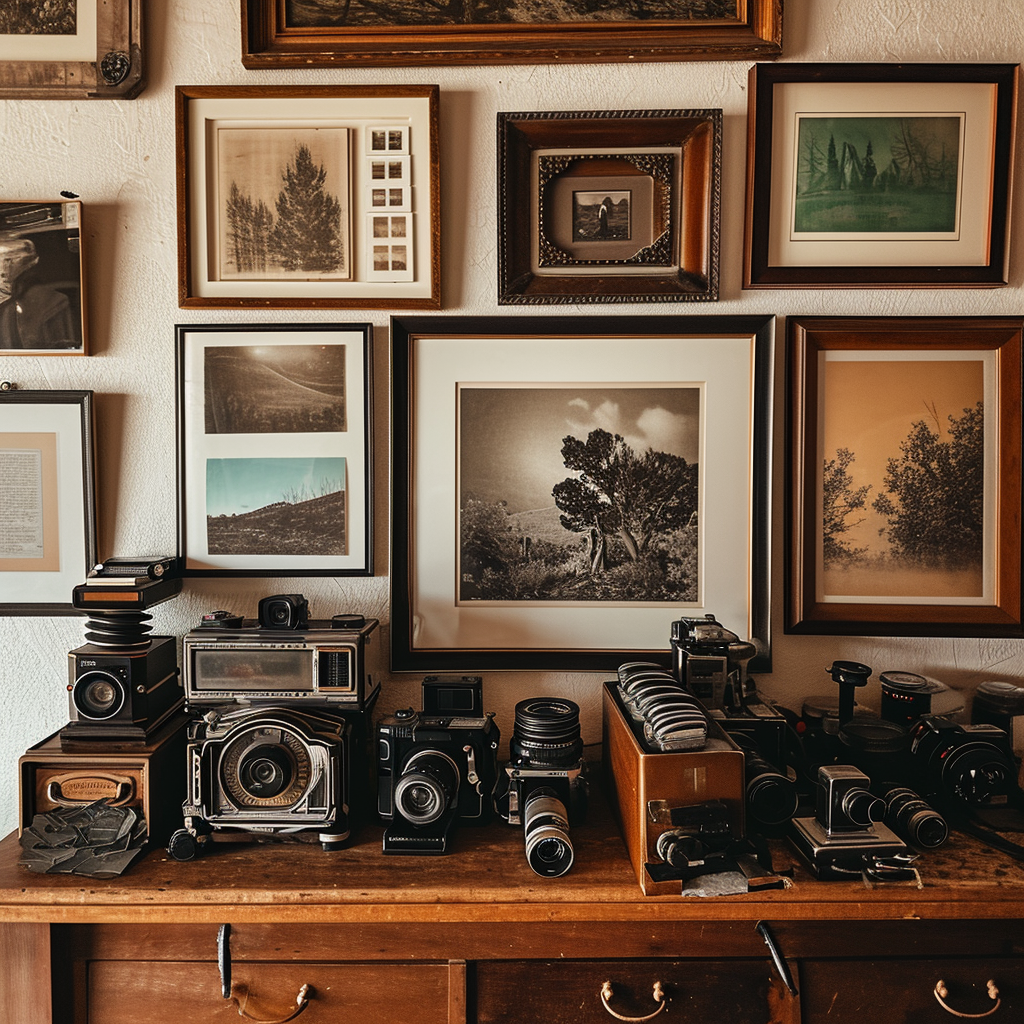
(267, 41)
(689, 274)
(807, 338)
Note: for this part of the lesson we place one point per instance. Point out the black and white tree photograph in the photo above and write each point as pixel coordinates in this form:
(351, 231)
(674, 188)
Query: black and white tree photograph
(903, 486)
(274, 389)
(283, 206)
(579, 494)
(38, 17)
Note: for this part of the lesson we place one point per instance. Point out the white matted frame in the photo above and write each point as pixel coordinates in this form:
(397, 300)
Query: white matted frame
(866, 148)
(434, 627)
(48, 520)
(224, 137)
(275, 449)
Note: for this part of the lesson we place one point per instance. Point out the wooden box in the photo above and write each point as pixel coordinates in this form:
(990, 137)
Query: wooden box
(635, 777)
(149, 778)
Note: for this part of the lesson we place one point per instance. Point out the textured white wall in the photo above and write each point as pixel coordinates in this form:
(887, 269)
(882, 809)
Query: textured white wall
(119, 157)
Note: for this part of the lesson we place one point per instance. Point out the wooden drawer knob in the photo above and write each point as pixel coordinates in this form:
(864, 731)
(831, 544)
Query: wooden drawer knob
(942, 993)
(659, 997)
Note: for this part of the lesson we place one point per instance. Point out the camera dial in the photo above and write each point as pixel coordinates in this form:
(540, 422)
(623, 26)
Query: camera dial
(428, 787)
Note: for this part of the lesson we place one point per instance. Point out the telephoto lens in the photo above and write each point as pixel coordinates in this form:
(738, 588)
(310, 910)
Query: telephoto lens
(546, 827)
(914, 820)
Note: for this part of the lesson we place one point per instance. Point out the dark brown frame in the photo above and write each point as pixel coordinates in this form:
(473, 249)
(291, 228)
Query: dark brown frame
(807, 338)
(759, 272)
(115, 73)
(268, 43)
(691, 271)
(428, 212)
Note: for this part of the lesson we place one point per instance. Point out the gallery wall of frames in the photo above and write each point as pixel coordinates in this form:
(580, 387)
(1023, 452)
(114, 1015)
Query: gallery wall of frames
(384, 315)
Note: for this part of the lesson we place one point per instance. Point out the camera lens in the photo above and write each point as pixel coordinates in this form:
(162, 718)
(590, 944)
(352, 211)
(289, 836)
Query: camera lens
(862, 807)
(771, 796)
(427, 788)
(546, 828)
(265, 771)
(547, 732)
(914, 820)
(98, 695)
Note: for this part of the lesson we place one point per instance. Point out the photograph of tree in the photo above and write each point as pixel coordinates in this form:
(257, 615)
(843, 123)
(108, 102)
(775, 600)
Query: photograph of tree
(38, 17)
(337, 13)
(271, 506)
(283, 204)
(599, 216)
(579, 493)
(903, 486)
(886, 175)
(274, 389)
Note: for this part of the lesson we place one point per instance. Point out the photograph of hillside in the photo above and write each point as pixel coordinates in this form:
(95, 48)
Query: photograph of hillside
(274, 389)
(585, 493)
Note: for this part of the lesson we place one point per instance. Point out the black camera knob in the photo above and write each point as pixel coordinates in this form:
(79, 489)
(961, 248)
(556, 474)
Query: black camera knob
(679, 849)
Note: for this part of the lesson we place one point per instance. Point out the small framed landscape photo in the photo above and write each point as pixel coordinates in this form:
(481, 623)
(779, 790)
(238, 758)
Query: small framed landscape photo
(879, 175)
(48, 511)
(274, 450)
(904, 476)
(277, 188)
(559, 496)
(42, 286)
(609, 207)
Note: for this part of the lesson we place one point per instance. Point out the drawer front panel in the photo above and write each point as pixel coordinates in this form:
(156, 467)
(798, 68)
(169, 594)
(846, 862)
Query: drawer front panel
(570, 992)
(147, 992)
(852, 991)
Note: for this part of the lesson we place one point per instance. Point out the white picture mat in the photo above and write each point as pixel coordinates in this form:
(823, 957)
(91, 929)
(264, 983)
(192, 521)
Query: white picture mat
(64, 421)
(975, 100)
(207, 113)
(725, 364)
(199, 447)
(82, 46)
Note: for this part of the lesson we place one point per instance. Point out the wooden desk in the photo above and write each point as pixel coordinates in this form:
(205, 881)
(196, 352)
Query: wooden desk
(476, 936)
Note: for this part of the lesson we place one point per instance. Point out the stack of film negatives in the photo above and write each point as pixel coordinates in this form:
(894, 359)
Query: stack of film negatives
(663, 712)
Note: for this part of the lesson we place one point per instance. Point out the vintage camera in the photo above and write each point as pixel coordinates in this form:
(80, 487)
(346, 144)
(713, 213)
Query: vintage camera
(328, 663)
(280, 772)
(907, 696)
(846, 836)
(711, 661)
(436, 766)
(971, 763)
(543, 787)
(1001, 704)
(283, 611)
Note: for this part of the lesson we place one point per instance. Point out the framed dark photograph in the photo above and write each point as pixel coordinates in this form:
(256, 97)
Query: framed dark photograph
(879, 175)
(275, 449)
(321, 197)
(606, 206)
(904, 476)
(557, 499)
(353, 33)
(47, 501)
(42, 288)
(71, 49)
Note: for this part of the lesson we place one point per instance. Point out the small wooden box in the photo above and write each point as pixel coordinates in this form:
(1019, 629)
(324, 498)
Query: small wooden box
(636, 776)
(149, 778)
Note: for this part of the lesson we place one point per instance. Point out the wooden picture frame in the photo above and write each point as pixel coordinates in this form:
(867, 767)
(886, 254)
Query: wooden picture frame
(879, 175)
(751, 30)
(42, 279)
(887, 416)
(370, 236)
(47, 464)
(501, 561)
(100, 59)
(275, 451)
(658, 172)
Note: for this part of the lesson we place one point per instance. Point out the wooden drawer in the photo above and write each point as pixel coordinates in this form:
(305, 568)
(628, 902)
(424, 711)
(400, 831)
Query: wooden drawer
(569, 992)
(854, 991)
(150, 992)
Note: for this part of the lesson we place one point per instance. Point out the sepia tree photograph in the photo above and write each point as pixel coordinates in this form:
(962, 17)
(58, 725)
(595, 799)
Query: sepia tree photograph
(579, 494)
(903, 486)
(38, 17)
(283, 204)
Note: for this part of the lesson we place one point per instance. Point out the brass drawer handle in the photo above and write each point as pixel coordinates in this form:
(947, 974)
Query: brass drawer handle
(123, 791)
(301, 1002)
(659, 997)
(941, 993)
(227, 987)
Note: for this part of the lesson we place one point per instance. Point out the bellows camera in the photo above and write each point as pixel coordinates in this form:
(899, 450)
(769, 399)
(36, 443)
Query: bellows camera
(710, 661)
(266, 771)
(437, 766)
(543, 787)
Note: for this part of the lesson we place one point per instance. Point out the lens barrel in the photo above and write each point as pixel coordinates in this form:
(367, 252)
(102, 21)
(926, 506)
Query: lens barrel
(98, 695)
(547, 732)
(772, 797)
(546, 830)
(914, 819)
(427, 788)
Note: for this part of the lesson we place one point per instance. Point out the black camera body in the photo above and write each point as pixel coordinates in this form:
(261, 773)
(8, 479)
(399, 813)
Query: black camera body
(437, 766)
(266, 772)
(711, 661)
